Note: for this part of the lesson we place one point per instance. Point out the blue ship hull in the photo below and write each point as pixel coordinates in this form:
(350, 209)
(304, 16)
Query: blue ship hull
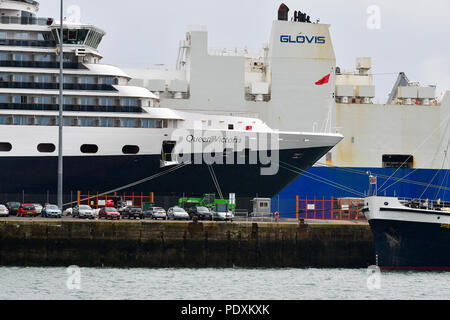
(328, 182)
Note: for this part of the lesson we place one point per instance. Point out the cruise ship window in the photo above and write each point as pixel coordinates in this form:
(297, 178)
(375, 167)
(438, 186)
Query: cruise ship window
(22, 35)
(89, 148)
(128, 123)
(129, 102)
(4, 99)
(46, 148)
(21, 57)
(87, 122)
(67, 79)
(44, 79)
(20, 120)
(73, 34)
(87, 80)
(4, 77)
(21, 78)
(107, 123)
(105, 80)
(44, 58)
(130, 150)
(145, 123)
(66, 59)
(87, 101)
(43, 121)
(5, 147)
(20, 99)
(106, 101)
(3, 120)
(43, 100)
(3, 56)
(3, 35)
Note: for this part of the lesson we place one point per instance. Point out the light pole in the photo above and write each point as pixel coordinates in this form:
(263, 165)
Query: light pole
(61, 107)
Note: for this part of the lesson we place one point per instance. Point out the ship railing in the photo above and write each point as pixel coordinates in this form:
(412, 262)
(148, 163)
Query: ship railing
(26, 20)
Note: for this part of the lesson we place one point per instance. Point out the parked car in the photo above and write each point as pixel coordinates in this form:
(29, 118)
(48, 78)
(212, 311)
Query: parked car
(68, 212)
(13, 208)
(112, 214)
(177, 213)
(156, 213)
(4, 212)
(202, 213)
(27, 210)
(104, 211)
(83, 212)
(51, 211)
(38, 208)
(222, 213)
(132, 213)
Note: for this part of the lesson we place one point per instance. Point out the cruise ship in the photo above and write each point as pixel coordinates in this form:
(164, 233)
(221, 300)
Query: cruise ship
(294, 83)
(117, 135)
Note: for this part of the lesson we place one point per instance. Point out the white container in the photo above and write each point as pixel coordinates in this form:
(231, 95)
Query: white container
(365, 91)
(345, 91)
(156, 85)
(408, 92)
(427, 93)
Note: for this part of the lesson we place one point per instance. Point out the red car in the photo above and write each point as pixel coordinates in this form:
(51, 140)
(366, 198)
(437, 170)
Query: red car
(109, 214)
(27, 210)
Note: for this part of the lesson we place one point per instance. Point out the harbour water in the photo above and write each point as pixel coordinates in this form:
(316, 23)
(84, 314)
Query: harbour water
(18, 283)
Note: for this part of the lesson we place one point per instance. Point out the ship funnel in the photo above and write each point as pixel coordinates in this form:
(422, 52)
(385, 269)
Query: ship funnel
(283, 12)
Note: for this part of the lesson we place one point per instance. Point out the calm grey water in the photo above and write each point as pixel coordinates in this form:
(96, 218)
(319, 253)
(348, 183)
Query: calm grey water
(219, 284)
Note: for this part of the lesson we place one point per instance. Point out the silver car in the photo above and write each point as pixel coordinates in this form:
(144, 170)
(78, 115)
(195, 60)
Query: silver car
(4, 212)
(83, 212)
(177, 213)
(156, 213)
(51, 211)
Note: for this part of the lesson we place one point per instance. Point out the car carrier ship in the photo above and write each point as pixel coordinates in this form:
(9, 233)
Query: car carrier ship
(294, 83)
(116, 135)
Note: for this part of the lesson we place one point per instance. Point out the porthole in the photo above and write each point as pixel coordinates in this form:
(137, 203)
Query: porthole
(386, 203)
(46, 148)
(89, 148)
(5, 147)
(130, 150)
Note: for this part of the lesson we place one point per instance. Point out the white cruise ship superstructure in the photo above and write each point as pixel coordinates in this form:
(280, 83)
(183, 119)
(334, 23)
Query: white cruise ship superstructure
(117, 136)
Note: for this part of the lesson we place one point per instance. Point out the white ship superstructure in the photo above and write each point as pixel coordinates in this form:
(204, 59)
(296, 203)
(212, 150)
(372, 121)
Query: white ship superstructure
(116, 135)
(405, 139)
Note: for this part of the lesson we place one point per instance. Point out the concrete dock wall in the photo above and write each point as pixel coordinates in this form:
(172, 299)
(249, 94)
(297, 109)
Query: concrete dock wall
(184, 244)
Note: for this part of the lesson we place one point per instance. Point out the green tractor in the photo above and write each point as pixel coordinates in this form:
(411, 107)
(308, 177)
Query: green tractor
(208, 201)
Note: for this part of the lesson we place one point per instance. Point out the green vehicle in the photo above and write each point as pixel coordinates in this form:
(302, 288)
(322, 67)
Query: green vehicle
(209, 201)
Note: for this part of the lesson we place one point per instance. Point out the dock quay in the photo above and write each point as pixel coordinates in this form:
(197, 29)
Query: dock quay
(135, 244)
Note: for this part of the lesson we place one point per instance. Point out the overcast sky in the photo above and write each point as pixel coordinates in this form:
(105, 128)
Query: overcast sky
(414, 35)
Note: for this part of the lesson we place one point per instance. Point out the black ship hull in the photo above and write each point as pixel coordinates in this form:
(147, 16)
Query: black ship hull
(406, 245)
(34, 179)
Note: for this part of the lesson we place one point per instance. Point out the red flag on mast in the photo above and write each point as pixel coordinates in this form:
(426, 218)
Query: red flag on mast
(324, 80)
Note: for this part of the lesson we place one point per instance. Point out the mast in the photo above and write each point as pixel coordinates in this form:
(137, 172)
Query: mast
(61, 107)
